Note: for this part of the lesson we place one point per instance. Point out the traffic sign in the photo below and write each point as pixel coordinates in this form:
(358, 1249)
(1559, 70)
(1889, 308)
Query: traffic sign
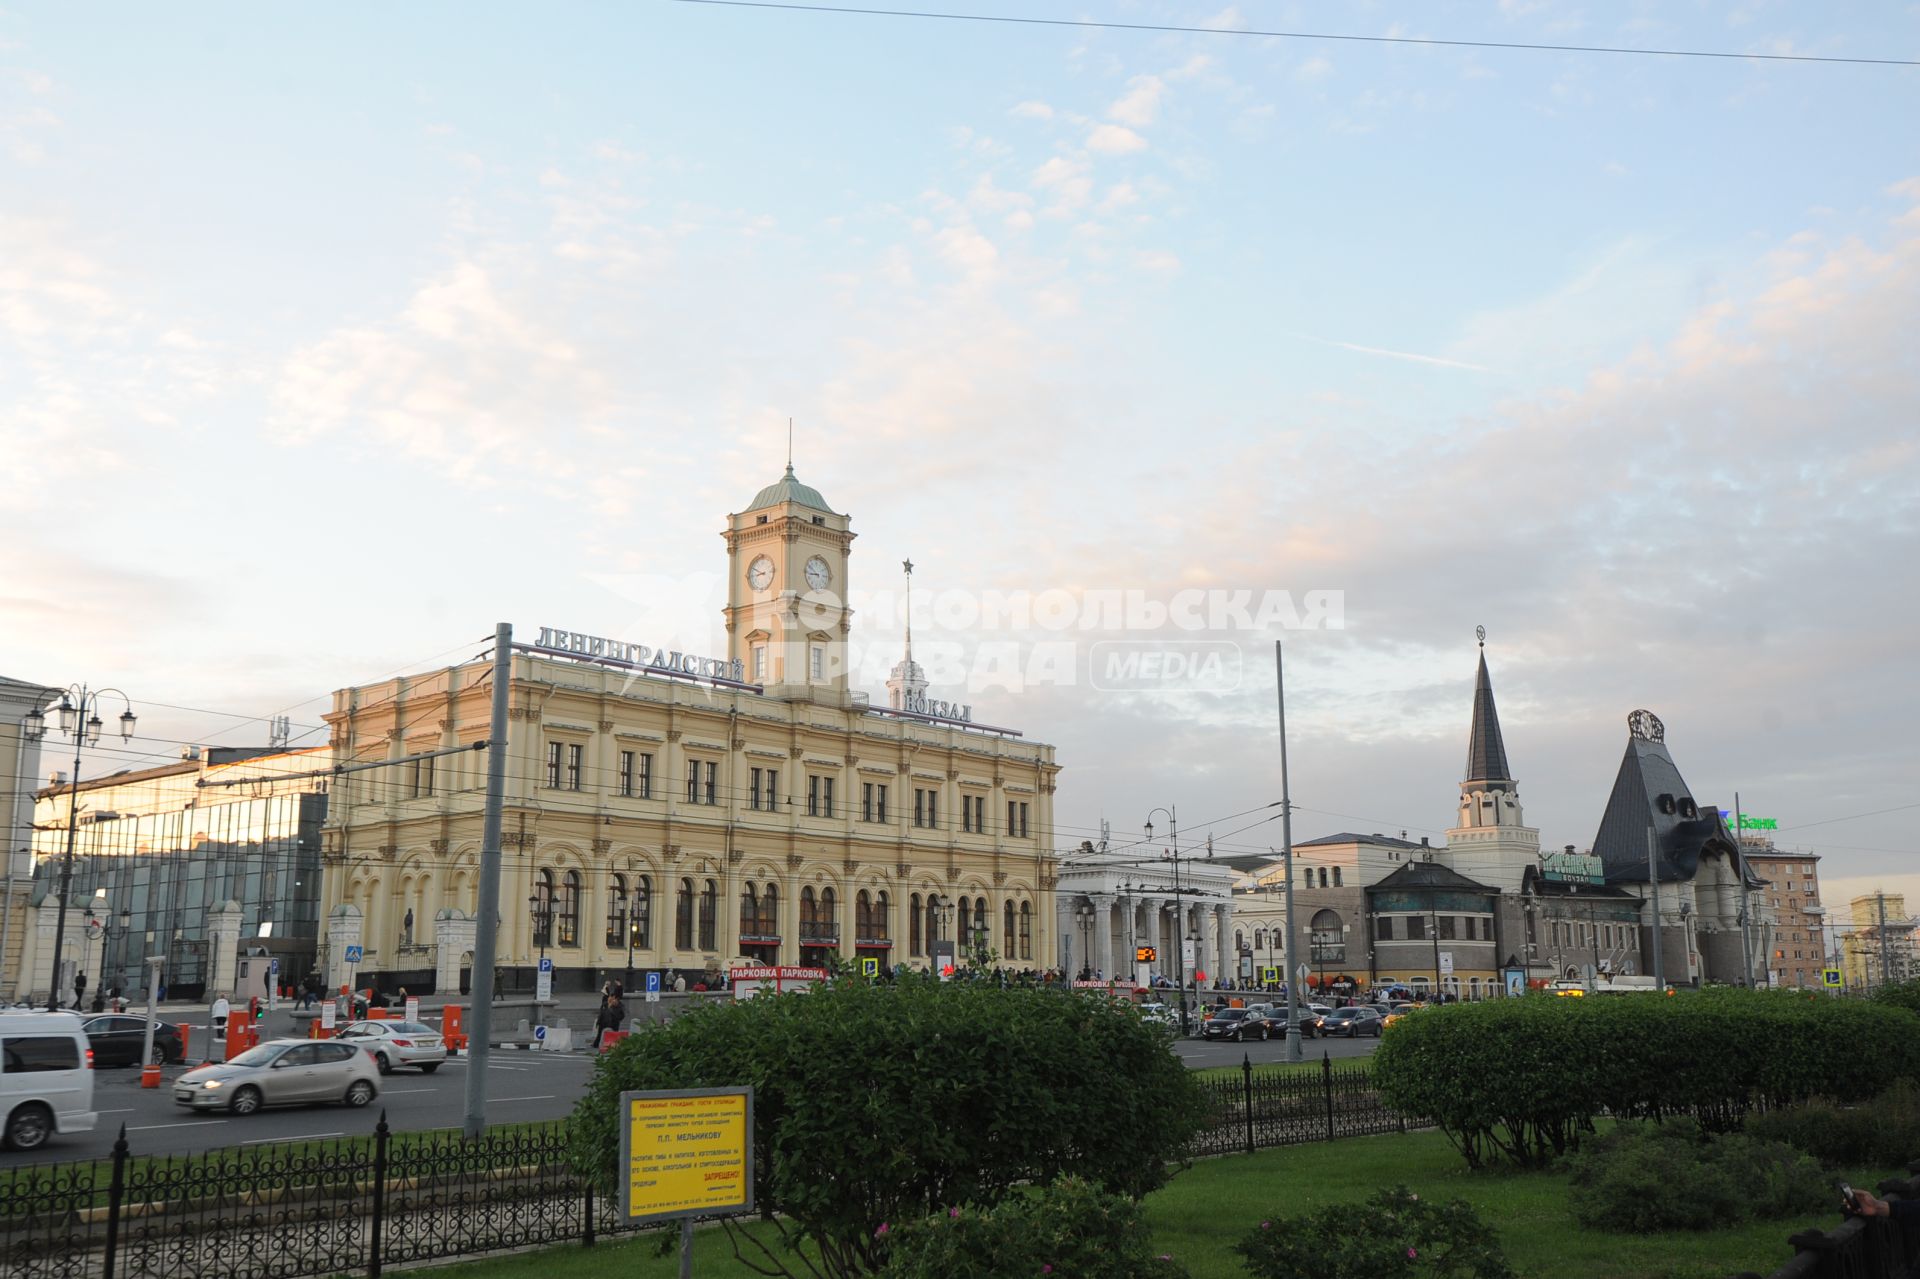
(653, 988)
(1829, 976)
(869, 966)
(540, 1034)
(355, 954)
(546, 964)
(1270, 974)
(273, 966)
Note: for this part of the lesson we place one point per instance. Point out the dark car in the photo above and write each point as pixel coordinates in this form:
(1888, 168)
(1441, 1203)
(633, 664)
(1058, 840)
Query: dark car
(1310, 1024)
(1352, 1022)
(1236, 1024)
(119, 1040)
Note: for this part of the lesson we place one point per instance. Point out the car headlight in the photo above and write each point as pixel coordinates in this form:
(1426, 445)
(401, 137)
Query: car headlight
(213, 1083)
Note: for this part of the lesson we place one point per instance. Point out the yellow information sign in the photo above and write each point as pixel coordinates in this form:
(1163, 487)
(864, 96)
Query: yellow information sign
(687, 1153)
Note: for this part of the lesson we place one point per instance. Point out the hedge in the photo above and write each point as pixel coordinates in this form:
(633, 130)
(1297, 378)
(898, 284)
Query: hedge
(1524, 1078)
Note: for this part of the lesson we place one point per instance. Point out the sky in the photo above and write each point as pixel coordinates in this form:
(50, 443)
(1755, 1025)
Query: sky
(330, 337)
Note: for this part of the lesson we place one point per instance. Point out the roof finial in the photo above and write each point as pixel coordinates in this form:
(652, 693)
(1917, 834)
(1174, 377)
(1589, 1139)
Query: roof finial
(1480, 633)
(908, 566)
(789, 447)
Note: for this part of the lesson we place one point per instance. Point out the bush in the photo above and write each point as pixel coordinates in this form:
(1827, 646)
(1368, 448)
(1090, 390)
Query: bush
(1676, 1176)
(1881, 1133)
(1899, 994)
(1069, 1230)
(887, 1102)
(1393, 1233)
(1523, 1079)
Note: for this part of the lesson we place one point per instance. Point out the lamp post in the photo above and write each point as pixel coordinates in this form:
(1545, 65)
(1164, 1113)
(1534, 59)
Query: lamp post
(79, 712)
(1180, 904)
(99, 924)
(542, 908)
(1083, 918)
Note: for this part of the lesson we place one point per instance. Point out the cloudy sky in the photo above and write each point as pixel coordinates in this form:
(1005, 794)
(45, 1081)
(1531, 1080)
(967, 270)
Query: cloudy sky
(329, 337)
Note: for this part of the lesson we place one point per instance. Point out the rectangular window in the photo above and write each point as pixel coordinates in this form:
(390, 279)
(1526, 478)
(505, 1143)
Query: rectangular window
(819, 796)
(574, 756)
(1383, 928)
(693, 781)
(553, 765)
(753, 788)
(866, 801)
(1023, 821)
(40, 1054)
(880, 803)
(626, 772)
(1446, 928)
(1416, 927)
(1013, 818)
(713, 773)
(759, 663)
(773, 789)
(422, 777)
(816, 663)
(926, 808)
(645, 780)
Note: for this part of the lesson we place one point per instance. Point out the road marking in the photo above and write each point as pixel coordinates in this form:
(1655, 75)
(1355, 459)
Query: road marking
(201, 1124)
(545, 1097)
(394, 1092)
(299, 1136)
(128, 1111)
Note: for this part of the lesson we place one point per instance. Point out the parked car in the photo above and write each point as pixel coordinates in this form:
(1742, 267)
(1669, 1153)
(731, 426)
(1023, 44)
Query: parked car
(46, 1078)
(120, 1040)
(1352, 1022)
(1236, 1024)
(283, 1072)
(399, 1043)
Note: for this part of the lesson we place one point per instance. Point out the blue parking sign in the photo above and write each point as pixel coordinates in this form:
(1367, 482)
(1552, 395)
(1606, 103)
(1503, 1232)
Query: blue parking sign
(653, 983)
(546, 964)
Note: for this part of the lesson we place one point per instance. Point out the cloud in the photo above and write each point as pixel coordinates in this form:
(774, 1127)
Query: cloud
(1033, 111)
(1437, 361)
(1141, 102)
(1112, 139)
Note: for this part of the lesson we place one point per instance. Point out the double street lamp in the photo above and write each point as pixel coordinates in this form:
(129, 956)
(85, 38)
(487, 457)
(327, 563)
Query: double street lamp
(1083, 914)
(1180, 903)
(79, 713)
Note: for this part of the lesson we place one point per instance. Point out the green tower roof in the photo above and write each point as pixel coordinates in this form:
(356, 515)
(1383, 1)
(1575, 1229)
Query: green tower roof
(790, 490)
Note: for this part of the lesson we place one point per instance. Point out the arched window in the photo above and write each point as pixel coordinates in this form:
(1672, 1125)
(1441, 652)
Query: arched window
(1006, 932)
(807, 908)
(1329, 945)
(543, 898)
(828, 920)
(982, 924)
(963, 921)
(616, 911)
(749, 911)
(683, 916)
(770, 910)
(878, 922)
(913, 924)
(709, 916)
(1336, 877)
(570, 909)
(1306, 878)
(933, 921)
(1239, 941)
(1323, 877)
(862, 915)
(641, 912)
(1026, 930)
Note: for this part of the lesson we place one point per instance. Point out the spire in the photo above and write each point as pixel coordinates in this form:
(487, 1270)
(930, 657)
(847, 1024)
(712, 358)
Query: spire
(907, 686)
(908, 566)
(1486, 752)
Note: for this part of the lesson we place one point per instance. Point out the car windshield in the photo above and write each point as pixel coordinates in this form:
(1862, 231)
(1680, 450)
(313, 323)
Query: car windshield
(261, 1056)
(1231, 1014)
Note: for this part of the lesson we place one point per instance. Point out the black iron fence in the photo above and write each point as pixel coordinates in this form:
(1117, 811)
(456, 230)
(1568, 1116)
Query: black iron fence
(1859, 1247)
(360, 1206)
(1263, 1108)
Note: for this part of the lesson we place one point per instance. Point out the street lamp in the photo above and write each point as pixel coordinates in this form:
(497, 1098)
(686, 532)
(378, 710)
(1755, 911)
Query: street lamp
(1083, 914)
(542, 907)
(99, 924)
(79, 719)
(1180, 904)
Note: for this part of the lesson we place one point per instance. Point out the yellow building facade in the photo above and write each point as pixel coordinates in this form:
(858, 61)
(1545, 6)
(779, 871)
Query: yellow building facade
(682, 813)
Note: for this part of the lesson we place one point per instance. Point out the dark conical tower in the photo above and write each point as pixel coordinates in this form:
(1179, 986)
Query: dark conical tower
(1486, 752)
(1492, 843)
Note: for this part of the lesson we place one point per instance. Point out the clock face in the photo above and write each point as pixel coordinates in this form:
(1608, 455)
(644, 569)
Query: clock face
(818, 574)
(760, 574)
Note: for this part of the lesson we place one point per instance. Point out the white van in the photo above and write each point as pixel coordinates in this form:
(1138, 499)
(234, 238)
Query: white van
(46, 1078)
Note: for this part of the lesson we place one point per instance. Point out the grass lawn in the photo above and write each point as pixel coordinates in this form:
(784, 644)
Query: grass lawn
(1206, 1208)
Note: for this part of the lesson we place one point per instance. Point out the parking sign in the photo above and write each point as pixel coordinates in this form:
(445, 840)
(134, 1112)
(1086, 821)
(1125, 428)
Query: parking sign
(653, 988)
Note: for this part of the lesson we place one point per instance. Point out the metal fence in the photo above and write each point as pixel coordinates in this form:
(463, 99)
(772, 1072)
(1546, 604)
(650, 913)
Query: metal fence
(400, 1199)
(1287, 1107)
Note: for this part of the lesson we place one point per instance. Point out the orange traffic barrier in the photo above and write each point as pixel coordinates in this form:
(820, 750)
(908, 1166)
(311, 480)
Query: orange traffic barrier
(240, 1037)
(608, 1038)
(186, 1042)
(377, 1014)
(450, 1028)
(149, 1076)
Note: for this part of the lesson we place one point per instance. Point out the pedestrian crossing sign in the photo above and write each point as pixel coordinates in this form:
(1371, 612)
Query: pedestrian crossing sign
(869, 966)
(1829, 976)
(1270, 974)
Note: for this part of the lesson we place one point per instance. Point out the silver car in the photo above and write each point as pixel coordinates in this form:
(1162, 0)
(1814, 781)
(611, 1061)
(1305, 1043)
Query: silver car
(283, 1072)
(399, 1043)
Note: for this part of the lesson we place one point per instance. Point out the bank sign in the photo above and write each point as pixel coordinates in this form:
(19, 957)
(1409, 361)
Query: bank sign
(1573, 868)
(600, 648)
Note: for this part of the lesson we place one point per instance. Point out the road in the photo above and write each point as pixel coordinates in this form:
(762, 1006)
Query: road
(520, 1086)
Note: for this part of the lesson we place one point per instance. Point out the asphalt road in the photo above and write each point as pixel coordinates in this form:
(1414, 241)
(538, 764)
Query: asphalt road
(1201, 1054)
(520, 1086)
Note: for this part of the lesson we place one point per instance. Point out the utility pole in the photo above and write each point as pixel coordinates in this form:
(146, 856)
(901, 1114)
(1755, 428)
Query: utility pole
(487, 915)
(1886, 963)
(1294, 1052)
(1746, 940)
(1653, 881)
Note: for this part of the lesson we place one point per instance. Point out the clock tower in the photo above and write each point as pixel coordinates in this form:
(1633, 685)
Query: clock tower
(787, 615)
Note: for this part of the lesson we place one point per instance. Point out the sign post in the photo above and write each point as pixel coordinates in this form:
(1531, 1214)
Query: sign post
(273, 984)
(543, 984)
(653, 988)
(686, 1153)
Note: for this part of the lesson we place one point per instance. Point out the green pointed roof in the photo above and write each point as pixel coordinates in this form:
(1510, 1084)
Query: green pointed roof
(790, 490)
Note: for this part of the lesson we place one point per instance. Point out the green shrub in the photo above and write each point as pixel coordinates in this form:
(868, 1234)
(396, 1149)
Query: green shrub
(1393, 1233)
(1881, 1133)
(1069, 1230)
(885, 1102)
(1523, 1079)
(1899, 994)
(1676, 1176)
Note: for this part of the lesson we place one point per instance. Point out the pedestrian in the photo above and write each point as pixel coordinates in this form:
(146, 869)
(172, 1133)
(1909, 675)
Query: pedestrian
(1867, 1206)
(79, 988)
(680, 984)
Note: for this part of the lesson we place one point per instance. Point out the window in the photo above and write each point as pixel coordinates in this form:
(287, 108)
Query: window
(819, 796)
(542, 904)
(626, 773)
(827, 919)
(709, 913)
(1416, 927)
(422, 777)
(1026, 930)
(770, 911)
(1006, 931)
(862, 915)
(1336, 877)
(926, 807)
(1023, 821)
(569, 917)
(643, 778)
(1382, 928)
(693, 781)
(973, 813)
(553, 765)
(575, 755)
(616, 911)
(640, 917)
(878, 920)
(873, 802)
(933, 921)
(1013, 818)
(36, 1054)
(913, 924)
(713, 771)
(759, 663)
(702, 781)
(749, 911)
(1446, 927)
(763, 789)
(816, 663)
(683, 916)
(1306, 878)
(1323, 877)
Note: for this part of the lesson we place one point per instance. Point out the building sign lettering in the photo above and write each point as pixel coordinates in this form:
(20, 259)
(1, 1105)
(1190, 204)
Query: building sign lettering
(921, 704)
(575, 644)
(1573, 868)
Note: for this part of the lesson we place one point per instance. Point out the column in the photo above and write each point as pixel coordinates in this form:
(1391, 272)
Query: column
(1063, 904)
(1209, 948)
(1103, 934)
(453, 938)
(223, 950)
(1223, 931)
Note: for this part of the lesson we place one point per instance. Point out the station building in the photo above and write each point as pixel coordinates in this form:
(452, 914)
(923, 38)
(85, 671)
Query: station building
(679, 813)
